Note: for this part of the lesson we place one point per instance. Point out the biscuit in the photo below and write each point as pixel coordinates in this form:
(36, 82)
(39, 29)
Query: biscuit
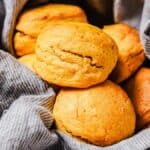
(131, 53)
(138, 88)
(28, 60)
(32, 21)
(101, 115)
(24, 44)
(74, 54)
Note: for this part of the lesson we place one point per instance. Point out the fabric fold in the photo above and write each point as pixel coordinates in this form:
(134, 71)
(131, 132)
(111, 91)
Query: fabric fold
(17, 80)
(26, 101)
(145, 28)
(12, 10)
(26, 126)
(128, 12)
(140, 141)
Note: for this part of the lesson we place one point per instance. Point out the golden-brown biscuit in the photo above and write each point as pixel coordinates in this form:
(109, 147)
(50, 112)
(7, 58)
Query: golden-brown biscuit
(75, 54)
(131, 54)
(28, 60)
(24, 44)
(102, 115)
(138, 88)
(32, 21)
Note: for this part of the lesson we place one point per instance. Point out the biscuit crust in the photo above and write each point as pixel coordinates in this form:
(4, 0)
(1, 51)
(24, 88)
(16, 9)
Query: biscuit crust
(138, 88)
(32, 21)
(28, 60)
(131, 53)
(102, 115)
(75, 54)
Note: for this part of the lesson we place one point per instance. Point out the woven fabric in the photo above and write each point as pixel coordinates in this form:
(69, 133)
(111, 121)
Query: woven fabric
(26, 101)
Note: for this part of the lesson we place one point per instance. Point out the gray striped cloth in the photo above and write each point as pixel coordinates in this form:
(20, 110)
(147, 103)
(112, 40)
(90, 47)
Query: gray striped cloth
(26, 101)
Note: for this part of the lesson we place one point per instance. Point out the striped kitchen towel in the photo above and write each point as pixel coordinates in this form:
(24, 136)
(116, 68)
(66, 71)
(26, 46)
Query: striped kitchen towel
(26, 101)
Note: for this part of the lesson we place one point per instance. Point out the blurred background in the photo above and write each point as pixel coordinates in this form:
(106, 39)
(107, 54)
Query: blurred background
(99, 12)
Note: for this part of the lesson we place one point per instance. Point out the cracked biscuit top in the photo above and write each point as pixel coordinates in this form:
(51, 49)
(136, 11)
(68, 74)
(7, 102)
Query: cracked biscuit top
(32, 21)
(102, 115)
(131, 52)
(74, 54)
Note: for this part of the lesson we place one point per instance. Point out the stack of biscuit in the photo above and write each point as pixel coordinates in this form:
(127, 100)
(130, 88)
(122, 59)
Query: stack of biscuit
(88, 63)
(32, 21)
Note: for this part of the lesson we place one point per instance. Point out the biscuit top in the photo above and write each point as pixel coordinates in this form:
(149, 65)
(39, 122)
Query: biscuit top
(78, 51)
(33, 20)
(101, 114)
(77, 40)
(126, 37)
